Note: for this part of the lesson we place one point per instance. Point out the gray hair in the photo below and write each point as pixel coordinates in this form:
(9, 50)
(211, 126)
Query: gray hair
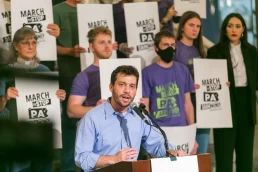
(21, 34)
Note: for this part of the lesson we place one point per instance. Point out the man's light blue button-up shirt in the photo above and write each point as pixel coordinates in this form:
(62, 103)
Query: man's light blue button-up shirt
(100, 133)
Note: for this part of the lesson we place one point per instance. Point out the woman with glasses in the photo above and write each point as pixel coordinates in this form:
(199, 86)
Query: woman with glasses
(242, 74)
(23, 58)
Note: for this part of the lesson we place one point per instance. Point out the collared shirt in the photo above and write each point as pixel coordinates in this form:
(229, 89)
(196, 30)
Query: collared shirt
(238, 65)
(100, 133)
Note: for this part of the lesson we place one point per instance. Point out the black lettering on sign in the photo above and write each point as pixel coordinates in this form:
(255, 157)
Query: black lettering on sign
(38, 113)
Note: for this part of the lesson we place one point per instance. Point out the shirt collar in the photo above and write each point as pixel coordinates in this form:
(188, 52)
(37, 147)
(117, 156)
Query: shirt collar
(110, 111)
(238, 47)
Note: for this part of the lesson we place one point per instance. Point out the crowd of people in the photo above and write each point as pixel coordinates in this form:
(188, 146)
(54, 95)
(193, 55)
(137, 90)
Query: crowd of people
(100, 132)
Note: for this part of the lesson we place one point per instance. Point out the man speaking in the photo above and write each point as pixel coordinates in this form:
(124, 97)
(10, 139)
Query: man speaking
(113, 132)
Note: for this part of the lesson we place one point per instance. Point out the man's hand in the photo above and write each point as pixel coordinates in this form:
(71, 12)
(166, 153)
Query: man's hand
(11, 93)
(177, 153)
(228, 84)
(194, 150)
(180, 153)
(197, 86)
(100, 101)
(123, 47)
(77, 50)
(126, 154)
(115, 46)
(61, 94)
(53, 29)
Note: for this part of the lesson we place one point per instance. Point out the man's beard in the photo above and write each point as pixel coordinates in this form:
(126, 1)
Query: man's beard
(100, 56)
(116, 99)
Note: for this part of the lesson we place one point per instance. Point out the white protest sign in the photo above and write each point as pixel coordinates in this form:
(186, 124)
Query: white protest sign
(198, 6)
(38, 103)
(89, 17)
(141, 27)
(36, 14)
(106, 67)
(182, 137)
(5, 24)
(213, 108)
(181, 164)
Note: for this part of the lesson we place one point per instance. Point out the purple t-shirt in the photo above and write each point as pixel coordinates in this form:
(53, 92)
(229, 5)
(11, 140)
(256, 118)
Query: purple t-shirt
(165, 88)
(87, 83)
(185, 54)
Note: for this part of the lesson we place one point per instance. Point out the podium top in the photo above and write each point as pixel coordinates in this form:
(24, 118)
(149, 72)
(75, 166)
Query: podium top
(204, 163)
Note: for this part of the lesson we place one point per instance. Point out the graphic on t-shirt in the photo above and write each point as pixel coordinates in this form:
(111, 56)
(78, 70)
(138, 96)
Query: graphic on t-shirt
(167, 103)
(211, 96)
(190, 61)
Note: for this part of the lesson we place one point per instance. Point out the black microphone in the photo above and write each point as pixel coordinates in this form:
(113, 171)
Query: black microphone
(142, 109)
(139, 112)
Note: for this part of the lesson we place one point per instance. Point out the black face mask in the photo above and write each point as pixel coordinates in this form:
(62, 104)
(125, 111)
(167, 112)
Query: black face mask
(167, 54)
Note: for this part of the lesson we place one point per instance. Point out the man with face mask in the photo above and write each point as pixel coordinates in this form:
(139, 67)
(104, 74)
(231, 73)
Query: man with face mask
(167, 85)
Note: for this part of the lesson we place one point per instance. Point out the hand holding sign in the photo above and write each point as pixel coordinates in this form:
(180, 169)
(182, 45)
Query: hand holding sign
(11, 93)
(115, 46)
(61, 94)
(194, 150)
(123, 47)
(77, 50)
(170, 13)
(53, 29)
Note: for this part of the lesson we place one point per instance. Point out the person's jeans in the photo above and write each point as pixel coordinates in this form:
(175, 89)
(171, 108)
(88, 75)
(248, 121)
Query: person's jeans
(202, 138)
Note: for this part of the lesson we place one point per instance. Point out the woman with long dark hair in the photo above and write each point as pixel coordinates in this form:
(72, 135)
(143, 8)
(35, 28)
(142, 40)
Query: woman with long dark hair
(189, 45)
(242, 74)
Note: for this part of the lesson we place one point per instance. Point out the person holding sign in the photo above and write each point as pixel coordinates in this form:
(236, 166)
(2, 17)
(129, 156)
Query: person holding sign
(166, 14)
(85, 93)
(167, 85)
(242, 73)
(68, 61)
(23, 59)
(190, 46)
(96, 147)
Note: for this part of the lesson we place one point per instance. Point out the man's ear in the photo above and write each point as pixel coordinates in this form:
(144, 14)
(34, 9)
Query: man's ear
(156, 48)
(91, 47)
(111, 87)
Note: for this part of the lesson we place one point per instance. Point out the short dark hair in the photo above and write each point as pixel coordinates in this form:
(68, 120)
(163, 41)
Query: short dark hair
(161, 34)
(126, 70)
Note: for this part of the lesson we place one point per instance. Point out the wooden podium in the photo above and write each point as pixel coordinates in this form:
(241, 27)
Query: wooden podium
(204, 163)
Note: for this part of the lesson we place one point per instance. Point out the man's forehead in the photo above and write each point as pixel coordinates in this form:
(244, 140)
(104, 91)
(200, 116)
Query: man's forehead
(124, 77)
(102, 36)
(167, 40)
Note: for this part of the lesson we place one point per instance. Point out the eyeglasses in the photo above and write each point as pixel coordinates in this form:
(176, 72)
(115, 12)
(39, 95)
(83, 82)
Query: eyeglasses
(27, 43)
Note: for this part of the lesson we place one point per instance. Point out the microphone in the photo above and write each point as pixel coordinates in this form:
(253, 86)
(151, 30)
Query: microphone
(142, 109)
(139, 112)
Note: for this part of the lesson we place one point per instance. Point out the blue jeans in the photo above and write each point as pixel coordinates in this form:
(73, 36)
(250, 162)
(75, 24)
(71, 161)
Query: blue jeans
(202, 138)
